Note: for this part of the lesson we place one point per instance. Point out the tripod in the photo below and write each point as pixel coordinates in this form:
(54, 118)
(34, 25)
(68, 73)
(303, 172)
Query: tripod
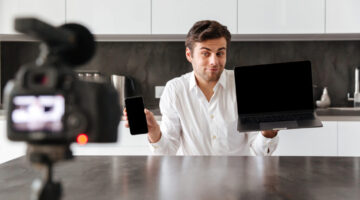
(44, 157)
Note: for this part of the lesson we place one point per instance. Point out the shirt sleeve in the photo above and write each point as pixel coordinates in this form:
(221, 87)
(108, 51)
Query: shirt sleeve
(262, 146)
(170, 125)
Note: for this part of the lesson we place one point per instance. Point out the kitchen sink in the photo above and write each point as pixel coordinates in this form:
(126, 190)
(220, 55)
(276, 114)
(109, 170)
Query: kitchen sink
(341, 111)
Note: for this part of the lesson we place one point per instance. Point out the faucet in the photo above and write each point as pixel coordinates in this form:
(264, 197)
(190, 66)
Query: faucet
(356, 98)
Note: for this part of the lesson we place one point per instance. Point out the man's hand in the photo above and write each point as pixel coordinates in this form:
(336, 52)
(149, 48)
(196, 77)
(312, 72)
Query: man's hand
(154, 133)
(269, 133)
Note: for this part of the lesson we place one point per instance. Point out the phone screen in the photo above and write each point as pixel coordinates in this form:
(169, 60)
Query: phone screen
(136, 115)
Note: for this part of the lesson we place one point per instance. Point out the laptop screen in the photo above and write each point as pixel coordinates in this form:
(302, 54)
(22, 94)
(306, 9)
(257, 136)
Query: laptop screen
(274, 88)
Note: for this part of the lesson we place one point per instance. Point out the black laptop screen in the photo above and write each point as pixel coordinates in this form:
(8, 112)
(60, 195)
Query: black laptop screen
(274, 88)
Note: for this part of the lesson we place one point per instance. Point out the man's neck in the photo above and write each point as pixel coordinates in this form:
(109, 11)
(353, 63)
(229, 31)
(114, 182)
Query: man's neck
(207, 87)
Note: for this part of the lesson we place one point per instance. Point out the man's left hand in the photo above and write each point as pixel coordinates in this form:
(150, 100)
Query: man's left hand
(269, 133)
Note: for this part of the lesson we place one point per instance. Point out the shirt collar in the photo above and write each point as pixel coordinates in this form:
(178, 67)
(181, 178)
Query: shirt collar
(192, 81)
(222, 80)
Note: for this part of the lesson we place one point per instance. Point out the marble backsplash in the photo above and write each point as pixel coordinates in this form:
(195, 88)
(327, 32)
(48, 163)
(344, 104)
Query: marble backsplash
(152, 64)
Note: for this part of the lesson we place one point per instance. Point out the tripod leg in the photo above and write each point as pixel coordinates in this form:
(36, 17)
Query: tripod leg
(47, 191)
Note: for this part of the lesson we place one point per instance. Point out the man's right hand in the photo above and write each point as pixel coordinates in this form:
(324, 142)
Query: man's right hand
(154, 133)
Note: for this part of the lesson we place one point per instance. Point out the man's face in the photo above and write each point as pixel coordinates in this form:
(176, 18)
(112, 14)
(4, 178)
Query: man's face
(208, 59)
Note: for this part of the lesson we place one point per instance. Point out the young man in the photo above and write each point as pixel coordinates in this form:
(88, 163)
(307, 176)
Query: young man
(199, 110)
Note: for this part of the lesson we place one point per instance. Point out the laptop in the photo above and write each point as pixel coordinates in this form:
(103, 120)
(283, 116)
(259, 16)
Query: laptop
(275, 97)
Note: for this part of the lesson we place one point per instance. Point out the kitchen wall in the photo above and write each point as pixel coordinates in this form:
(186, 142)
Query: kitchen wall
(0, 77)
(154, 63)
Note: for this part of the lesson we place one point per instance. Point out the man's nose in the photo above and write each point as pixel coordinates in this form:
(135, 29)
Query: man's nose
(214, 60)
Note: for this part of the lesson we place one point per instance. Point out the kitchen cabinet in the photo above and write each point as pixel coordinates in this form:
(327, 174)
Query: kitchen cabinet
(154, 20)
(50, 11)
(298, 142)
(177, 17)
(342, 16)
(336, 138)
(111, 16)
(281, 16)
(309, 141)
(127, 144)
(349, 138)
(9, 150)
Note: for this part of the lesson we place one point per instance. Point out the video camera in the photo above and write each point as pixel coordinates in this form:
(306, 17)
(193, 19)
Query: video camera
(49, 107)
(47, 103)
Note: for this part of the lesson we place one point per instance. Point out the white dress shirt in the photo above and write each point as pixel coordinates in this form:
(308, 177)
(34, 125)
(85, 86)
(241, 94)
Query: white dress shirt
(192, 125)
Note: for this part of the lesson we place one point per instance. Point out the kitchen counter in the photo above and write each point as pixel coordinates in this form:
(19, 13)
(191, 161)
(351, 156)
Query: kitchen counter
(193, 177)
(323, 114)
(338, 118)
(327, 114)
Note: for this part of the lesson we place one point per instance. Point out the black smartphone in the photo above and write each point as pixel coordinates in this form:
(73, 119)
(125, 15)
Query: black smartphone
(136, 115)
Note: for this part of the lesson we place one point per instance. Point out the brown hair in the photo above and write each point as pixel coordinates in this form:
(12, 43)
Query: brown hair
(206, 30)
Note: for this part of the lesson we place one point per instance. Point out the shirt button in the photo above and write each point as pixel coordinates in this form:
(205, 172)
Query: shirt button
(213, 137)
(212, 116)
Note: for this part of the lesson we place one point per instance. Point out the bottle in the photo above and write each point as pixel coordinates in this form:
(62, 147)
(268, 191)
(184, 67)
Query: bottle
(357, 100)
(356, 92)
(325, 99)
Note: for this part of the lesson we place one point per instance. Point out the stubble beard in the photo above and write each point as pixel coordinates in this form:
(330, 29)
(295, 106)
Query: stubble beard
(211, 78)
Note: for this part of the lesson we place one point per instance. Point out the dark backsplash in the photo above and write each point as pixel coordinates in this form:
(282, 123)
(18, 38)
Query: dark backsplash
(152, 64)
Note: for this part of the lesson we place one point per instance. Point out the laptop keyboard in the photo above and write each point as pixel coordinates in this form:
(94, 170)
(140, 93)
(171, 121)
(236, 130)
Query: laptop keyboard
(274, 118)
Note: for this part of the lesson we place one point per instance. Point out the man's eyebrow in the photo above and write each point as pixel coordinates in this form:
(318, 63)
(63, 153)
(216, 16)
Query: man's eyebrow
(222, 48)
(205, 48)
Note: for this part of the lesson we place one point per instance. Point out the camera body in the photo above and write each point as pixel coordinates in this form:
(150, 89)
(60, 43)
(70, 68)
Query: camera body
(49, 107)
(46, 103)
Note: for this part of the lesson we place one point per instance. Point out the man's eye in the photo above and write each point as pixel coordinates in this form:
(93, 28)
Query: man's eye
(220, 53)
(205, 54)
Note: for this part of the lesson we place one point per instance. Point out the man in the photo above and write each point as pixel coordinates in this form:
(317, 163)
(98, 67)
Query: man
(199, 110)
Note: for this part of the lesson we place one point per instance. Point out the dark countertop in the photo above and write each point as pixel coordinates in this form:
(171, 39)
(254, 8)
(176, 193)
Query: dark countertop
(338, 111)
(193, 177)
(325, 114)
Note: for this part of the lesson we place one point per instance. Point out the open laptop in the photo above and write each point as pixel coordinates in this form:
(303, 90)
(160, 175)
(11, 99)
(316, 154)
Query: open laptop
(275, 97)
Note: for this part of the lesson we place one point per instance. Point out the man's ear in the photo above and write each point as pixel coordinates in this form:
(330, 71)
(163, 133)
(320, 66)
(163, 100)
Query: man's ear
(188, 54)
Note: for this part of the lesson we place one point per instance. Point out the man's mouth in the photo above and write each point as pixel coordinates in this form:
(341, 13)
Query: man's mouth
(213, 69)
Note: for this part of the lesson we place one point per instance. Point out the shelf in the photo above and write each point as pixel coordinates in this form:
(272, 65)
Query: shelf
(181, 37)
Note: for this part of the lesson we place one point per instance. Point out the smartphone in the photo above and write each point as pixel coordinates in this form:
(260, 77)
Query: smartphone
(136, 115)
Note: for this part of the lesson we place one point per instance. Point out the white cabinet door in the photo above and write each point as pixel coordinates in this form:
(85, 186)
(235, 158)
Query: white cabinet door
(342, 16)
(127, 144)
(49, 11)
(177, 17)
(111, 16)
(309, 142)
(281, 16)
(126, 139)
(9, 150)
(349, 138)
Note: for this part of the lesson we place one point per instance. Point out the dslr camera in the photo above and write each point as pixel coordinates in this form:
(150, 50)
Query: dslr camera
(46, 103)
(49, 107)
